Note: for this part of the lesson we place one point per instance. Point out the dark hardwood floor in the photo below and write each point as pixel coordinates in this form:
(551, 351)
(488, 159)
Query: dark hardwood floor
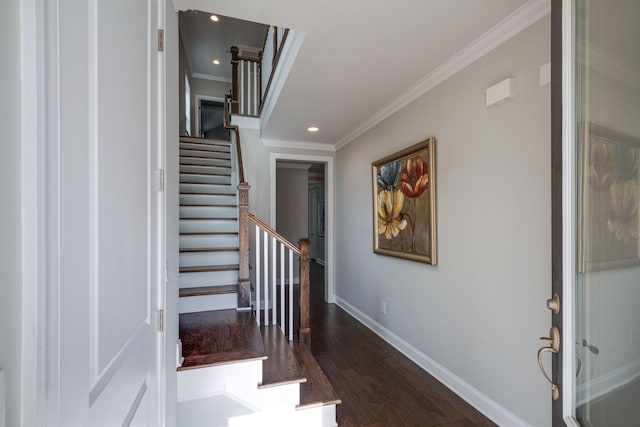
(379, 387)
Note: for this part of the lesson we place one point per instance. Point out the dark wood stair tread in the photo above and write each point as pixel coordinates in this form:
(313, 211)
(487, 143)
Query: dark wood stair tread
(208, 290)
(205, 147)
(184, 156)
(192, 250)
(209, 233)
(317, 390)
(219, 337)
(209, 268)
(205, 174)
(281, 366)
(208, 141)
(209, 219)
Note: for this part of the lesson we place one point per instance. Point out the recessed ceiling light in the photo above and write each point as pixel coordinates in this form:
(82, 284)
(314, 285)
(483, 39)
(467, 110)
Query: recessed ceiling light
(216, 62)
(214, 18)
(313, 129)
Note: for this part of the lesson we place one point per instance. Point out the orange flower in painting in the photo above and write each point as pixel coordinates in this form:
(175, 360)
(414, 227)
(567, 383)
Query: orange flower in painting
(415, 177)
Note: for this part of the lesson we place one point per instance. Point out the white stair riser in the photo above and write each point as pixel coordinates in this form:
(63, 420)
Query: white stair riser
(207, 189)
(213, 411)
(205, 155)
(210, 199)
(206, 226)
(209, 278)
(207, 303)
(221, 166)
(194, 164)
(208, 212)
(192, 259)
(203, 382)
(210, 170)
(213, 179)
(221, 240)
(322, 416)
(210, 180)
(217, 146)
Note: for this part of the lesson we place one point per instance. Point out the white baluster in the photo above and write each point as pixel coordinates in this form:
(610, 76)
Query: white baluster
(241, 84)
(282, 290)
(255, 88)
(258, 275)
(265, 256)
(274, 314)
(290, 295)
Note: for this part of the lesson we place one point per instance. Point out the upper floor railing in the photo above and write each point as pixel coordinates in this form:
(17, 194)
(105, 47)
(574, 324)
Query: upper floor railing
(252, 76)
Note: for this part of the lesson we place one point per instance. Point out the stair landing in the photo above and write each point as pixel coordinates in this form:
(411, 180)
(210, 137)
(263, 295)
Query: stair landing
(219, 337)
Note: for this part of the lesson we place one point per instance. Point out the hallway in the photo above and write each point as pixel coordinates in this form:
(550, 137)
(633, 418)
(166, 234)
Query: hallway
(378, 385)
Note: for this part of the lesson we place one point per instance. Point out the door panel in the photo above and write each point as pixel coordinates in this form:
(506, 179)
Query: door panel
(104, 335)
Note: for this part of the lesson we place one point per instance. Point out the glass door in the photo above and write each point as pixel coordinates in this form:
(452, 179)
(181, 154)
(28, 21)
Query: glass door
(601, 264)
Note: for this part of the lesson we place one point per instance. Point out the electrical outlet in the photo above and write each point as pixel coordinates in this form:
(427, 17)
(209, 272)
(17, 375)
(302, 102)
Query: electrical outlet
(383, 306)
(632, 337)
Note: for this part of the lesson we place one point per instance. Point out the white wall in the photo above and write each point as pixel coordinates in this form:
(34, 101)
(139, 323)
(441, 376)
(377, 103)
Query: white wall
(10, 212)
(292, 203)
(480, 311)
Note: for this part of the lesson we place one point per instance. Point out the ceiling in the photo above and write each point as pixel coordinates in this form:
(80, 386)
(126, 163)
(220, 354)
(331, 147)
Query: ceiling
(358, 57)
(205, 40)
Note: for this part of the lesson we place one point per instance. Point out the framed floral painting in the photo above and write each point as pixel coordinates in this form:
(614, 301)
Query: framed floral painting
(404, 204)
(608, 200)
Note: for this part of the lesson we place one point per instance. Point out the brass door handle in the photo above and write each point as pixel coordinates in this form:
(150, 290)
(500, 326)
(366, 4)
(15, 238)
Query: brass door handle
(553, 347)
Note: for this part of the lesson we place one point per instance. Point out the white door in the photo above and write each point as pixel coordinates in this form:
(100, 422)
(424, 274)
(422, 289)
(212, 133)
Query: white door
(597, 358)
(106, 241)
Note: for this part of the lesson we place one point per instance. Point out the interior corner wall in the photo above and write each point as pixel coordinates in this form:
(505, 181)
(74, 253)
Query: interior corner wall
(480, 311)
(292, 205)
(10, 213)
(173, 122)
(183, 72)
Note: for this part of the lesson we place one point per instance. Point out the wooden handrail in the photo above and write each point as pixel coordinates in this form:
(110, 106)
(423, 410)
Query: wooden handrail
(276, 60)
(274, 233)
(227, 125)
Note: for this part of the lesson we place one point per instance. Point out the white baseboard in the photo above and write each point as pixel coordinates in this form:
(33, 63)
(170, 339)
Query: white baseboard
(466, 391)
(610, 381)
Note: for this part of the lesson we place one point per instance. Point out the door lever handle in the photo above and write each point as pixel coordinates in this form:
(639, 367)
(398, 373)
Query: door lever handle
(553, 347)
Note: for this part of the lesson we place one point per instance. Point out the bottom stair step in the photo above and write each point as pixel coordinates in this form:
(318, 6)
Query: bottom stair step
(281, 366)
(317, 390)
(211, 411)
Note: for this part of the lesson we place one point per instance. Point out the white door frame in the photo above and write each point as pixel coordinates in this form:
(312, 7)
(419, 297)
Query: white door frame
(330, 268)
(198, 99)
(569, 213)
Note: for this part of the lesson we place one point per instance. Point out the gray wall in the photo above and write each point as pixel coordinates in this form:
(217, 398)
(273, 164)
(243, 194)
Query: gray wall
(10, 221)
(480, 311)
(292, 205)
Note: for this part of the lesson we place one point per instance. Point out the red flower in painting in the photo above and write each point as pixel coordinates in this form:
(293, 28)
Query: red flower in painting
(415, 177)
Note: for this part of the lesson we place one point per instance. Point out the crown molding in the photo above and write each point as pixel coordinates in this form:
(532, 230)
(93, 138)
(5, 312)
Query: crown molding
(528, 14)
(299, 145)
(210, 77)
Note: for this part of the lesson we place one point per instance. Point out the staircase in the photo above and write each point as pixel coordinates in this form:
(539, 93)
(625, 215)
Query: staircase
(208, 226)
(253, 377)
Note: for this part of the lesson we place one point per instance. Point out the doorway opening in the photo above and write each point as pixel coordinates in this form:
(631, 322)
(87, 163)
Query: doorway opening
(210, 118)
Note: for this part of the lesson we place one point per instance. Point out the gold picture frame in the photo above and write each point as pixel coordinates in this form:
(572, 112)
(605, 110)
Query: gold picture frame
(609, 190)
(404, 203)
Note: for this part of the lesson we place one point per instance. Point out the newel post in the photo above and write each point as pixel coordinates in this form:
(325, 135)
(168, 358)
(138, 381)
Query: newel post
(305, 329)
(235, 106)
(244, 282)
